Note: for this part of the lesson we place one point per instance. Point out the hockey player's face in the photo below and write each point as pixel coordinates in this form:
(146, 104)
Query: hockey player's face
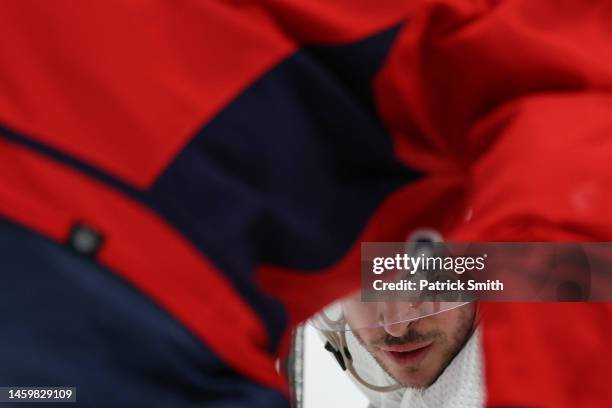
(416, 353)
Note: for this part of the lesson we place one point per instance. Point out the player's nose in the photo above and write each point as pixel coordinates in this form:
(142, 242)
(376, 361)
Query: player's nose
(395, 320)
(397, 329)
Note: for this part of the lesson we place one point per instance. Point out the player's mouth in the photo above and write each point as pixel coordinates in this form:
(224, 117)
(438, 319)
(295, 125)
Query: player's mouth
(407, 355)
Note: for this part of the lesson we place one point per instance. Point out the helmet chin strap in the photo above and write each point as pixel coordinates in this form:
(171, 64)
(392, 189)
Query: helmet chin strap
(337, 345)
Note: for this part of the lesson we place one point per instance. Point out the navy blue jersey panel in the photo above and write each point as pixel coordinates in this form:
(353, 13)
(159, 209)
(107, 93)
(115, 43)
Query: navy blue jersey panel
(354, 65)
(67, 321)
(290, 172)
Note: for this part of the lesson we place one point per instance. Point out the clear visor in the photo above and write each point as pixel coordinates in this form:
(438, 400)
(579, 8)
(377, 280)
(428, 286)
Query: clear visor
(351, 313)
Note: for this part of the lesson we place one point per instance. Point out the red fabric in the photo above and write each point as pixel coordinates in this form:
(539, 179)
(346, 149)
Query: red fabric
(514, 98)
(124, 85)
(547, 354)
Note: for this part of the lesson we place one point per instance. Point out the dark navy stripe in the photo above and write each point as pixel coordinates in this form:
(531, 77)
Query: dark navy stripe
(58, 155)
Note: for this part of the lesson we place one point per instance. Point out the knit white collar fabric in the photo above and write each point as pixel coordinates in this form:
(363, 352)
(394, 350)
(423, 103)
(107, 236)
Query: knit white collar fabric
(461, 385)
